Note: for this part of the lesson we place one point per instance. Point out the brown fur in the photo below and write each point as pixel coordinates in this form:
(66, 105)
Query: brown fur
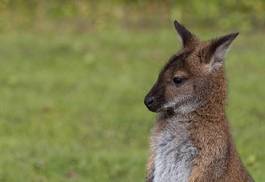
(207, 126)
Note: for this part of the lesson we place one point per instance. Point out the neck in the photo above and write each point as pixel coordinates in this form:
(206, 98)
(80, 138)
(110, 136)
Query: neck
(215, 100)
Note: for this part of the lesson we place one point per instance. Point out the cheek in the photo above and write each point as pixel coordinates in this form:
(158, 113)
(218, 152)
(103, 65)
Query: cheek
(170, 93)
(174, 92)
(201, 87)
(186, 89)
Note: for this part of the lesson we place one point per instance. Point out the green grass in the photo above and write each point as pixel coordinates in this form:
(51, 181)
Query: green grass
(72, 104)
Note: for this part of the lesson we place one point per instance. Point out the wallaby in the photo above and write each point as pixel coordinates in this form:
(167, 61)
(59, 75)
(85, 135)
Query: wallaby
(191, 141)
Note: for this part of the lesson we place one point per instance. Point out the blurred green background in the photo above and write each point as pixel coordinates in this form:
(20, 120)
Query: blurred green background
(74, 74)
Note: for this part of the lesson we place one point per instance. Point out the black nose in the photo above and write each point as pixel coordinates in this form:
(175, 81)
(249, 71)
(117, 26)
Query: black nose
(148, 101)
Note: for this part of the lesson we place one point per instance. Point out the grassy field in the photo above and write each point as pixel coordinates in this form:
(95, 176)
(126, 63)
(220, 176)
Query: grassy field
(72, 104)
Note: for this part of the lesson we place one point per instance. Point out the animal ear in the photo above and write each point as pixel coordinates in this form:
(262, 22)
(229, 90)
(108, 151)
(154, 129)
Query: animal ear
(218, 49)
(185, 35)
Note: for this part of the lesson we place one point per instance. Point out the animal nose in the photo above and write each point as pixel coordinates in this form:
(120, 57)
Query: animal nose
(149, 101)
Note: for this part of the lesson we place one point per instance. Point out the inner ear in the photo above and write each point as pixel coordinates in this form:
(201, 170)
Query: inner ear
(217, 50)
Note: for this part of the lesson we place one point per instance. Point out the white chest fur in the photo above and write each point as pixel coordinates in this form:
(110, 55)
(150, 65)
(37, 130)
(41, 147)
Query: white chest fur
(173, 154)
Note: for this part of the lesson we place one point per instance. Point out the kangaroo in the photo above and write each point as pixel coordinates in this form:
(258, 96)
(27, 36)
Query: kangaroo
(191, 141)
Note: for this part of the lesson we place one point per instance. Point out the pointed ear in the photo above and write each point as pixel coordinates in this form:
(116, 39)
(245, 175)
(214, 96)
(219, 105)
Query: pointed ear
(218, 49)
(185, 35)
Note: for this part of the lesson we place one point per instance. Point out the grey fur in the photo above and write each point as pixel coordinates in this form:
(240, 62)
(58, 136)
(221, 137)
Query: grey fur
(174, 152)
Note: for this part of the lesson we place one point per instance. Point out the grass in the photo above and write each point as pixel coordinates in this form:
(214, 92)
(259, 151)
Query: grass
(72, 104)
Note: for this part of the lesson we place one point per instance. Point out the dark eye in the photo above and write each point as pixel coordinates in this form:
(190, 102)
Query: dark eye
(178, 80)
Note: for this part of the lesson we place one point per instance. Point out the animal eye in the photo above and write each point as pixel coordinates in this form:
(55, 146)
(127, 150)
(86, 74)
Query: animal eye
(178, 80)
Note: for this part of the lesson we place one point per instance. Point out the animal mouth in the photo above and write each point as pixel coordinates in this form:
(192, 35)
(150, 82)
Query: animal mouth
(154, 108)
(153, 103)
(175, 106)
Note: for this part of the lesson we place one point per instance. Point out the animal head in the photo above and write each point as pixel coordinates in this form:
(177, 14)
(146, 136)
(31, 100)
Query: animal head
(191, 75)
